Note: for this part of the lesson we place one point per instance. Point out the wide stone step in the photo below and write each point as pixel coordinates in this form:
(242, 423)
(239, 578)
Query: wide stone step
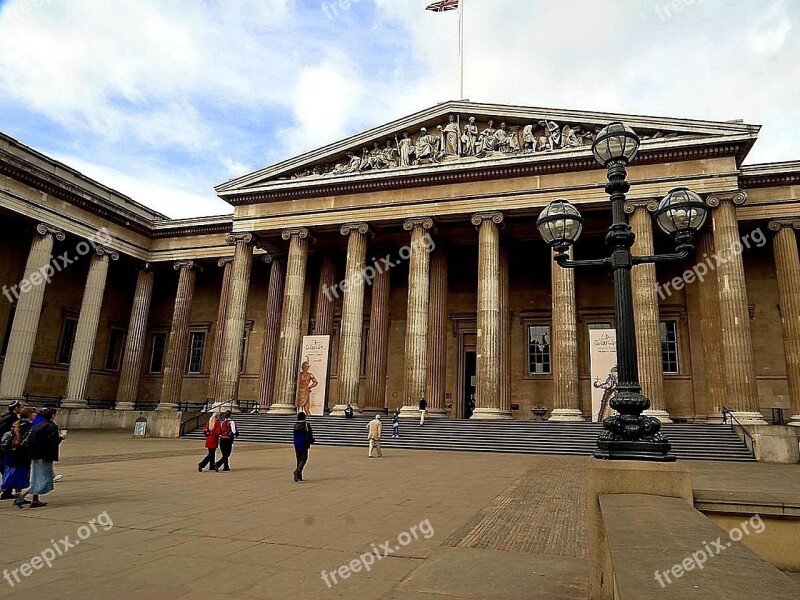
(698, 442)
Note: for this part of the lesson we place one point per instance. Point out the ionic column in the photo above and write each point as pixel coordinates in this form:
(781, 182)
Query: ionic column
(178, 341)
(416, 348)
(272, 330)
(80, 363)
(235, 313)
(216, 357)
(505, 334)
(564, 345)
(488, 355)
(645, 311)
(787, 270)
(352, 317)
(378, 343)
(28, 312)
(285, 401)
(713, 360)
(740, 370)
(437, 324)
(131, 371)
(326, 294)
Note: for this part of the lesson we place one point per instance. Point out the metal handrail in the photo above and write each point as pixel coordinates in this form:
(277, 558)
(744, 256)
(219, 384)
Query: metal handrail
(46, 400)
(726, 412)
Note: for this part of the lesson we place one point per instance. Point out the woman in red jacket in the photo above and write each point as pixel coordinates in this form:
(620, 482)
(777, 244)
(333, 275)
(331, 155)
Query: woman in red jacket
(211, 430)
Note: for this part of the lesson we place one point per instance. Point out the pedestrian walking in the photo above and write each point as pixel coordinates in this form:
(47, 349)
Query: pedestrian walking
(16, 447)
(303, 439)
(7, 421)
(227, 433)
(375, 428)
(396, 423)
(423, 406)
(45, 438)
(211, 431)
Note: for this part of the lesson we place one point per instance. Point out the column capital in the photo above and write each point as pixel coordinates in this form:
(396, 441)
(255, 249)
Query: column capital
(414, 222)
(735, 197)
(299, 232)
(225, 261)
(234, 238)
(101, 250)
(648, 204)
(45, 229)
(480, 218)
(786, 223)
(360, 228)
(186, 264)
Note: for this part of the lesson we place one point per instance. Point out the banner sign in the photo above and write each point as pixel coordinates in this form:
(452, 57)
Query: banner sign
(312, 378)
(603, 361)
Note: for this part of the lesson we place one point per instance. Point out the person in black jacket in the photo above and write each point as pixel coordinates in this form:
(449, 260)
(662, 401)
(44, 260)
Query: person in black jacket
(303, 438)
(423, 406)
(6, 423)
(44, 442)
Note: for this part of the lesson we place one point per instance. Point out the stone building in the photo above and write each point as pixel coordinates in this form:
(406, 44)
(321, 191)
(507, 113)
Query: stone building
(414, 246)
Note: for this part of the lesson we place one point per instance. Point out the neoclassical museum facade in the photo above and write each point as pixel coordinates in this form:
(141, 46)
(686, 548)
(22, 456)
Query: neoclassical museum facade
(414, 246)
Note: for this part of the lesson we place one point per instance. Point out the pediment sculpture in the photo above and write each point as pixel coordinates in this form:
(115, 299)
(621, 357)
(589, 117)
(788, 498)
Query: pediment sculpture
(454, 141)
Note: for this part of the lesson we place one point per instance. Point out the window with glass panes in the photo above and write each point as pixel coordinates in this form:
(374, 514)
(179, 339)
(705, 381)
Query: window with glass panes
(197, 346)
(116, 343)
(538, 349)
(669, 347)
(68, 330)
(157, 347)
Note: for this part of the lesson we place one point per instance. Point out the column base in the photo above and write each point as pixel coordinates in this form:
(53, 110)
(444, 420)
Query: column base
(282, 409)
(714, 418)
(410, 412)
(661, 415)
(490, 414)
(124, 406)
(566, 415)
(750, 418)
(374, 410)
(167, 406)
(794, 421)
(74, 404)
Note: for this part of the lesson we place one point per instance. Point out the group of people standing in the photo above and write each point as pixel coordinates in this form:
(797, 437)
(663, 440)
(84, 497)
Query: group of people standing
(219, 433)
(29, 445)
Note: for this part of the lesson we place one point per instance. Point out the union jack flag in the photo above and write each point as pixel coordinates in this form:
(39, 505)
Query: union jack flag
(443, 5)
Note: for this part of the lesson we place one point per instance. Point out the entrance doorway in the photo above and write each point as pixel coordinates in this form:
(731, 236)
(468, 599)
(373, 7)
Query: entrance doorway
(469, 383)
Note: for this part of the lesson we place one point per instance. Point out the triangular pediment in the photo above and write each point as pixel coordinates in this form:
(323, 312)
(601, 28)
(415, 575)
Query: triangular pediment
(458, 133)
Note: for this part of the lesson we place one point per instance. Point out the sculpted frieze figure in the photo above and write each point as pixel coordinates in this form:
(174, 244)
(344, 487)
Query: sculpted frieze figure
(513, 142)
(487, 142)
(452, 146)
(552, 136)
(529, 144)
(406, 150)
(574, 137)
(469, 140)
(426, 148)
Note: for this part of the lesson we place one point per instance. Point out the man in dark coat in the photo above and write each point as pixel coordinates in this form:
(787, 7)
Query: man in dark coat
(44, 442)
(303, 438)
(6, 423)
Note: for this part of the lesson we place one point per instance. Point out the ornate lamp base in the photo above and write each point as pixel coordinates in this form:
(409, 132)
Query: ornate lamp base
(631, 435)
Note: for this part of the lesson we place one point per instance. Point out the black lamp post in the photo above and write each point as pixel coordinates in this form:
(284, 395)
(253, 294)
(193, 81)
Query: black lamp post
(628, 435)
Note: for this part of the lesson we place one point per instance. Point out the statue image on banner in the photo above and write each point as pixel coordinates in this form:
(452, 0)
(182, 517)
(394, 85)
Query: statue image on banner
(312, 377)
(603, 367)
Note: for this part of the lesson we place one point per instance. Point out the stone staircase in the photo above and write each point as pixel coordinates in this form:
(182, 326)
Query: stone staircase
(689, 441)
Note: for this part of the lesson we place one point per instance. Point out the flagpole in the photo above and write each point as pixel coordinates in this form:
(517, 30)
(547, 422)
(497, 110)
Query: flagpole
(461, 46)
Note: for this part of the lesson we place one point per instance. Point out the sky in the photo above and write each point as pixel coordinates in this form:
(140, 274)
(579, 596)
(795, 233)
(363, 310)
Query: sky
(164, 99)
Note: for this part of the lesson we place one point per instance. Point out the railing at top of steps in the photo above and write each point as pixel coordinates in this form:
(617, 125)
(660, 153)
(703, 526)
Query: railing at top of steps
(734, 423)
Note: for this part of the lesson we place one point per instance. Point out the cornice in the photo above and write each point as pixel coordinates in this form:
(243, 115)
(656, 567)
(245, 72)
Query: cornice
(477, 171)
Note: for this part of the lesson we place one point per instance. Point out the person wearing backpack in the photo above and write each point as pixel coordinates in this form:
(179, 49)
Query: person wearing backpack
(16, 447)
(227, 432)
(303, 439)
(7, 421)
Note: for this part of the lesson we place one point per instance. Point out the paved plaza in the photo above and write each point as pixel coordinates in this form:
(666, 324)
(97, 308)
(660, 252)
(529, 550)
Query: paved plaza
(459, 525)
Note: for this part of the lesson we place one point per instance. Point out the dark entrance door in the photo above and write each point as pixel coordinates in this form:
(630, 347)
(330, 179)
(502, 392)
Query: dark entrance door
(469, 383)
